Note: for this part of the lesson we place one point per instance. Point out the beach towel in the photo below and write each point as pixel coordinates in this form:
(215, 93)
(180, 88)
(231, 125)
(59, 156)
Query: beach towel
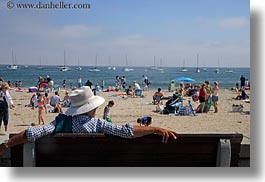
(208, 104)
(187, 110)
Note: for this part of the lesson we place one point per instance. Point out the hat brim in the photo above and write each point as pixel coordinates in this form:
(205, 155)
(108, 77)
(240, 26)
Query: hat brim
(93, 103)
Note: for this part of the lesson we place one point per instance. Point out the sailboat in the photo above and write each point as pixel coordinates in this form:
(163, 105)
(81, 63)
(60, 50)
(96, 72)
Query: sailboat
(160, 68)
(183, 69)
(111, 67)
(126, 68)
(78, 68)
(40, 67)
(13, 66)
(217, 70)
(229, 71)
(198, 69)
(95, 69)
(154, 67)
(64, 67)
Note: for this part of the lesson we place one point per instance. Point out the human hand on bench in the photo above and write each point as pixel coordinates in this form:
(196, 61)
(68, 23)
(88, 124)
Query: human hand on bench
(140, 131)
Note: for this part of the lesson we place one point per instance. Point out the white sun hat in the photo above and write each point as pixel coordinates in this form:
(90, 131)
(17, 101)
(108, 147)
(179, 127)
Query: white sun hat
(83, 101)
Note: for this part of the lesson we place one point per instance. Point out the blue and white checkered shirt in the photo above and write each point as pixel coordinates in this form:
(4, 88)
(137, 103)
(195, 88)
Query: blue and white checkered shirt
(83, 124)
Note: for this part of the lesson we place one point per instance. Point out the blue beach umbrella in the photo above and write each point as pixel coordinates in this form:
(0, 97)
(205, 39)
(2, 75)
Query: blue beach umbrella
(184, 79)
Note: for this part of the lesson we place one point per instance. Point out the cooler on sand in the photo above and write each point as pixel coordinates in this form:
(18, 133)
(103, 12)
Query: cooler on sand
(33, 89)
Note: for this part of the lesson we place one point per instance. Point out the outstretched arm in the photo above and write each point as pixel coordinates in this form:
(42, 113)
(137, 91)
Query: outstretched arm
(29, 135)
(142, 131)
(15, 140)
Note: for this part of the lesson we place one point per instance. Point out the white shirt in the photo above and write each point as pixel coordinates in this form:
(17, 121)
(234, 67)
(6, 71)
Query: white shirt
(8, 98)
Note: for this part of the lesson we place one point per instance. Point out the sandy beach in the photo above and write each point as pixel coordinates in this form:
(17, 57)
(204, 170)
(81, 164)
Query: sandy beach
(129, 109)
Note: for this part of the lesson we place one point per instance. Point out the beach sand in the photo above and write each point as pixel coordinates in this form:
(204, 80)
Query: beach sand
(129, 109)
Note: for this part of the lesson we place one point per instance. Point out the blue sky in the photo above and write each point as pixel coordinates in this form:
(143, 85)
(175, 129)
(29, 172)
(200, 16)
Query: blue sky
(171, 30)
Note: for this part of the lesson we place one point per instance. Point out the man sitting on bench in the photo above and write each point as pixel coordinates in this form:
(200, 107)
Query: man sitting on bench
(82, 113)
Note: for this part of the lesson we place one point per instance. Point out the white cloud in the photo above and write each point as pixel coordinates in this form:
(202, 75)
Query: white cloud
(77, 31)
(33, 36)
(233, 22)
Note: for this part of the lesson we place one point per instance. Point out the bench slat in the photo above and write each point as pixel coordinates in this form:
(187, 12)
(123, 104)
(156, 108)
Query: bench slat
(100, 150)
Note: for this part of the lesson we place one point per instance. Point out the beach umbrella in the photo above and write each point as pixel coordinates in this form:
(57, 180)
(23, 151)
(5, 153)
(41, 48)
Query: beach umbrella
(184, 79)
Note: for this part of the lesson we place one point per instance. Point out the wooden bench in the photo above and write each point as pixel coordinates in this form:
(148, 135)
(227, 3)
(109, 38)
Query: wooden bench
(69, 150)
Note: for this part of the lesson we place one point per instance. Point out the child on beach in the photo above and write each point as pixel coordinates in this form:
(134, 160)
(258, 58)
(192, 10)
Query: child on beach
(66, 100)
(144, 121)
(33, 101)
(41, 105)
(64, 84)
(106, 114)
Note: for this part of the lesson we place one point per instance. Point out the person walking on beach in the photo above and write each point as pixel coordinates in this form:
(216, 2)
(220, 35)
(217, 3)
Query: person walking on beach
(106, 114)
(242, 81)
(41, 107)
(145, 82)
(82, 115)
(102, 85)
(79, 82)
(123, 82)
(5, 99)
(64, 84)
(215, 90)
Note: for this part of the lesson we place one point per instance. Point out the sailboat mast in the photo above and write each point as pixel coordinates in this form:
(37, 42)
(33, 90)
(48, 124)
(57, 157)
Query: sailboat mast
(96, 61)
(197, 61)
(64, 59)
(12, 57)
(126, 60)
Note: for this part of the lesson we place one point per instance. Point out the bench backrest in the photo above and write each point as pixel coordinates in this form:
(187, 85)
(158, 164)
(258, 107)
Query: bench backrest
(201, 150)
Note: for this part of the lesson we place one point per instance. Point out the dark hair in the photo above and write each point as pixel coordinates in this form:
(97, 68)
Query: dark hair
(159, 89)
(207, 82)
(111, 102)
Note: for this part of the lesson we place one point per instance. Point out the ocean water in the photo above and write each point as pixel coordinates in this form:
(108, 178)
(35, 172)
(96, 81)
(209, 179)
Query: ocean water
(29, 75)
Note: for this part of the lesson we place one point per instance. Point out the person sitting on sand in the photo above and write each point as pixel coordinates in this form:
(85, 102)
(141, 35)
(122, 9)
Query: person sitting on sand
(157, 97)
(66, 100)
(136, 86)
(144, 121)
(55, 102)
(180, 89)
(33, 101)
(129, 90)
(242, 96)
(47, 100)
(82, 117)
